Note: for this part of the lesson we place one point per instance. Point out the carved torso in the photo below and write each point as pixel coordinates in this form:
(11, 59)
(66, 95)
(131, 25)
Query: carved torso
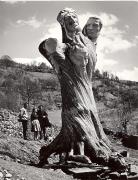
(74, 64)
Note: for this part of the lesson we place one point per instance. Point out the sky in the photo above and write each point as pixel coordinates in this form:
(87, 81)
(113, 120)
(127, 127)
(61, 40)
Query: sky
(24, 24)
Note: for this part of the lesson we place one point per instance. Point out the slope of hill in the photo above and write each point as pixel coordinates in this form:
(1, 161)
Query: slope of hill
(24, 172)
(18, 84)
(39, 85)
(6, 61)
(17, 156)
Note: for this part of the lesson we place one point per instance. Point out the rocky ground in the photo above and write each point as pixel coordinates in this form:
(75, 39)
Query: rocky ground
(17, 155)
(16, 171)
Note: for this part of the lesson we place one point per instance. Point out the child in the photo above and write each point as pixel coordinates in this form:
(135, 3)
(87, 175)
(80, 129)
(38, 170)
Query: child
(35, 123)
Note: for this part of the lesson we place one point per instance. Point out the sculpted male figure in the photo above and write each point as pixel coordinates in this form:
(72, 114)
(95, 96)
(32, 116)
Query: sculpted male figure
(74, 61)
(92, 29)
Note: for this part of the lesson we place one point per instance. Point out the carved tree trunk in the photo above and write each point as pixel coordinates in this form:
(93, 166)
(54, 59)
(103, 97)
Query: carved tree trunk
(80, 122)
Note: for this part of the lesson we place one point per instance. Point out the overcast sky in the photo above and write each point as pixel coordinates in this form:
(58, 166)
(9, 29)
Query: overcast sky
(23, 25)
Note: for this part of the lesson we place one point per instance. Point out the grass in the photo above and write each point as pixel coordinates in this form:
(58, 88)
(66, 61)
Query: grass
(45, 76)
(55, 117)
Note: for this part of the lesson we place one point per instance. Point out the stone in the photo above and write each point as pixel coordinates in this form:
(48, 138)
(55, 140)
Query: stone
(133, 172)
(1, 175)
(123, 176)
(124, 153)
(84, 172)
(22, 178)
(134, 168)
(114, 175)
(8, 175)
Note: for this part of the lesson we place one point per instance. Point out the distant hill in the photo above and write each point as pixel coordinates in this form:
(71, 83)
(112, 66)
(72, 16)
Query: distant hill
(31, 83)
(108, 89)
(6, 61)
(39, 85)
(6, 57)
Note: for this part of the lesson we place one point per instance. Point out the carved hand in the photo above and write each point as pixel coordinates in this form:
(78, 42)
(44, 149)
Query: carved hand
(52, 45)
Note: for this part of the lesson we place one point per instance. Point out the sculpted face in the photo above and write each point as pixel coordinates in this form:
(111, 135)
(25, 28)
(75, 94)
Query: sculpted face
(71, 22)
(93, 29)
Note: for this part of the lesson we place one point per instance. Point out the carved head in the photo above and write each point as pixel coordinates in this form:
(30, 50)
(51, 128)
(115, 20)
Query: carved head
(68, 20)
(92, 28)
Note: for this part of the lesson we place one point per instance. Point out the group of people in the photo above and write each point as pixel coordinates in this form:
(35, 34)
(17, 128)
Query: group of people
(39, 121)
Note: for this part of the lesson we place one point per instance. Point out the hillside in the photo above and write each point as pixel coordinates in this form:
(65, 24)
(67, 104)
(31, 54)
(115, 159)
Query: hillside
(23, 85)
(24, 172)
(117, 104)
(18, 156)
(117, 101)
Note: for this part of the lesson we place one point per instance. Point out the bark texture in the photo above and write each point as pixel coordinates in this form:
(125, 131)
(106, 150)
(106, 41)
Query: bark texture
(74, 64)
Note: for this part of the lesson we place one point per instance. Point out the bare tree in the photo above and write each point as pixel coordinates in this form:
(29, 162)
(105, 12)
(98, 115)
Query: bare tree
(29, 89)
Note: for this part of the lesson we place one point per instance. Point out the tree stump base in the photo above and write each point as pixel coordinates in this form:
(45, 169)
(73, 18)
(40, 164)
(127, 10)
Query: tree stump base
(93, 171)
(86, 172)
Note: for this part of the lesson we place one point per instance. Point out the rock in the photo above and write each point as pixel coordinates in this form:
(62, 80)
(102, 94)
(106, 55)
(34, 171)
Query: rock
(124, 153)
(123, 176)
(17, 160)
(1, 175)
(84, 172)
(8, 175)
(109, 96)
(114, 175)
(5, 171)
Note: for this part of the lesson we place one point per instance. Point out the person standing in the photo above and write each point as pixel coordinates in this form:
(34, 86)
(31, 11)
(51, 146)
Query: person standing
(23, 115)
(43, 120)
(35, 123)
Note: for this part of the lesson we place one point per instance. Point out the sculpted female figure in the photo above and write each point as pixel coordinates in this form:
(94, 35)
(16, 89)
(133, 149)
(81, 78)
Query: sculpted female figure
(74, 61)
